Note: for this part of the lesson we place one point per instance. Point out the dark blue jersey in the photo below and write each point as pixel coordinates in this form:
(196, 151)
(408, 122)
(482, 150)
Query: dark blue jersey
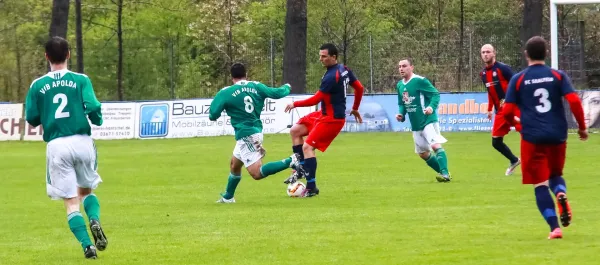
(496, 78)
(538, 91)
(334, 84)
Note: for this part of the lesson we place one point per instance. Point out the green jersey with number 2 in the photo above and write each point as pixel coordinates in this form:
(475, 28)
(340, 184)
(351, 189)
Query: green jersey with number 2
(61, 101)
(243, 102)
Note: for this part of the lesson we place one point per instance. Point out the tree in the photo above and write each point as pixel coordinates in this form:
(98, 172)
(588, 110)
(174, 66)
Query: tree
(533, 14)
(60, 18)
(354, 25)
(294, 51)
(78, 36)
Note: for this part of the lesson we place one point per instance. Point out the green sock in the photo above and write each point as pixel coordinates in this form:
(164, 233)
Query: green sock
(274, 167)
(442, 160)
(92, 207)
(77, 225)
(231, 186)
(432, 162)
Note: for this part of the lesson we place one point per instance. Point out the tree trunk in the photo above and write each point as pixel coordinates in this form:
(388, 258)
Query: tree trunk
(294, 51)
(18, 54)
(461, 45)
(532, 21)
(60, 18)
(120, 50)
(59, 22)
(79, 36)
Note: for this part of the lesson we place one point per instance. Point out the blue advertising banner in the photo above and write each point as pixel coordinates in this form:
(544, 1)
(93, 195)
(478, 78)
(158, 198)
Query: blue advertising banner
(456, 112)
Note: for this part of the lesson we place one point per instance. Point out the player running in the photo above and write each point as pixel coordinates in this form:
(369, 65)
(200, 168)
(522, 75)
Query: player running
(62, 101)
(322, 127)
(243, 102)
(495, 76)
(538, 91)
(418, 98)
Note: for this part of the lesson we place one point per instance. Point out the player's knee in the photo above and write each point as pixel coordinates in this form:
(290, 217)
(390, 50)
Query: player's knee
(255, 172)
(82, 192)
(307, 149)
(72, 205)
(545, 183)
(424, 155)
(298, 130)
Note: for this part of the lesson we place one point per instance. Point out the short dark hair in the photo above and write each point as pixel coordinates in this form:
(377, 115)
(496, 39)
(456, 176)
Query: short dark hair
(57, 49)
(409, 60)
(331, 49)
(536, 48)
(238, 70)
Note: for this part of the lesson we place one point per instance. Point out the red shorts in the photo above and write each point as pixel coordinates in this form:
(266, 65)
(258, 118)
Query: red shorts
(501, 126)
(540, 161)
(321, 129)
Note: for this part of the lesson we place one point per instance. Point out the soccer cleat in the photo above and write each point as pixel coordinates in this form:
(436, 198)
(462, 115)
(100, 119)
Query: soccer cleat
(511, 167)
(99, 237)
(223, 200)
(90, 252)
(564, 209)
(298, 172)
(292, 178)
(555, 234)
(443, 178)
(310, 193)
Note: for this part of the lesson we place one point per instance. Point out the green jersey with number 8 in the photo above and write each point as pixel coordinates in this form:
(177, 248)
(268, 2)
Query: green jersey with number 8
(243, 102)
(61, 101)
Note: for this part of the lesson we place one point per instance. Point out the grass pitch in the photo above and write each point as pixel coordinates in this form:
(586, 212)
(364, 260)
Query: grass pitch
(379, 204)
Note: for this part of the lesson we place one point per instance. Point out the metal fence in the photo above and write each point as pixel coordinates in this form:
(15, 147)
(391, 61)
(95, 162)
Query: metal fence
(183, 68)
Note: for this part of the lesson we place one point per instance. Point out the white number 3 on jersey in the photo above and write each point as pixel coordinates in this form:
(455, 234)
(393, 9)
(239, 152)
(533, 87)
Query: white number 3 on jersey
(545, 105)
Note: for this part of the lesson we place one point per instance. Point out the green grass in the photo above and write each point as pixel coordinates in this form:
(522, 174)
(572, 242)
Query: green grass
(379, 204)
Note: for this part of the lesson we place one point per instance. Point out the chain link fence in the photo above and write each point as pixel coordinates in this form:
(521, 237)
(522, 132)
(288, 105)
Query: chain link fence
(171, 68)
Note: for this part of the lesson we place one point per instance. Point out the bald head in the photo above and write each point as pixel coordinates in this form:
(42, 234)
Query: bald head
(488, 54)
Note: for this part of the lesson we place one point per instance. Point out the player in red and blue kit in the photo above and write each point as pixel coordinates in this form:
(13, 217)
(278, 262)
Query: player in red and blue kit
(495, 76)
(322, 126)
(538, 91)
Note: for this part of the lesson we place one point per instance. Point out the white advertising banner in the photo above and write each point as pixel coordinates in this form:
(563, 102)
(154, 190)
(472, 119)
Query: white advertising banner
(189, 118)
(10, 116)
(119, 121)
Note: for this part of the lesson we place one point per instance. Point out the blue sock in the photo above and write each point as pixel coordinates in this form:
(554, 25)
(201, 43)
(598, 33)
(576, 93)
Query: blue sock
(557, 184)
(310, 165)
(298, 150)
(546, 206)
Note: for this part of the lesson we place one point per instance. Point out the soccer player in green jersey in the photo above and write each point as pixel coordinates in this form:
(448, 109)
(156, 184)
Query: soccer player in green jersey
(418, 98)
(243, 101)
(62, 101)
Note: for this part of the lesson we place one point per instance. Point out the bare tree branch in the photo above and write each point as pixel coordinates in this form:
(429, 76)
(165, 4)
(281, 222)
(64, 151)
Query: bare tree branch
(98, 8)
(102, 25)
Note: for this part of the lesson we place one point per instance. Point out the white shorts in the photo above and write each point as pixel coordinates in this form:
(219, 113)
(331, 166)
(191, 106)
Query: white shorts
(429, 136)
(71, 163)
(249, 149)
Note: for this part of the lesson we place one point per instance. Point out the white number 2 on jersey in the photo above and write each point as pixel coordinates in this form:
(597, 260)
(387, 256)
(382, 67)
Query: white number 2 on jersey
(545, 105)
(248, 104)
(62, 99)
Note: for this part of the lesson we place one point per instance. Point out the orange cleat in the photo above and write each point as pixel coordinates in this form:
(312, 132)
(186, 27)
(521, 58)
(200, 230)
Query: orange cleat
(564, 209)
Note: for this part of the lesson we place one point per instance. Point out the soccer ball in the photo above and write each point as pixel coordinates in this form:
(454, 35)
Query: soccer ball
(296, 189)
